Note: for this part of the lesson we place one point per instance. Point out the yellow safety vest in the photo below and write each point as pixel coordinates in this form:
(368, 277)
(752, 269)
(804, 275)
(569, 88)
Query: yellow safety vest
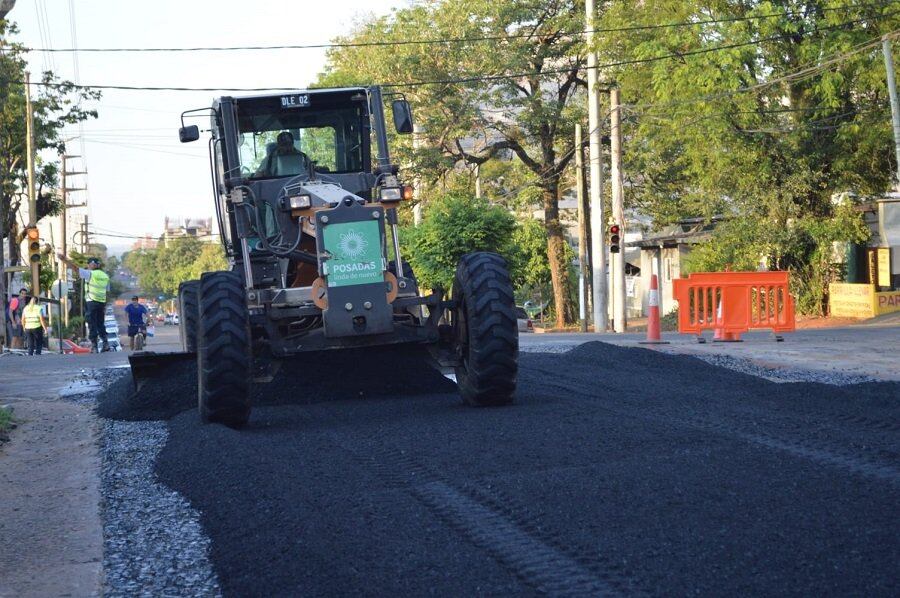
(96, 290)
(31, 317)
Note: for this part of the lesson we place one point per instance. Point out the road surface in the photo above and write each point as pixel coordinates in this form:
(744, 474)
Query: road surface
(618, 471)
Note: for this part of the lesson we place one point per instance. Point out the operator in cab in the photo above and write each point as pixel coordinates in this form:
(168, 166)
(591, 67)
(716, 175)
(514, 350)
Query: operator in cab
(284, 160)
(97, 282)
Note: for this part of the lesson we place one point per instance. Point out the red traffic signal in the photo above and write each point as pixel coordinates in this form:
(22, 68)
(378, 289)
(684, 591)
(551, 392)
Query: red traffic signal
(614, 238)
(34, 244)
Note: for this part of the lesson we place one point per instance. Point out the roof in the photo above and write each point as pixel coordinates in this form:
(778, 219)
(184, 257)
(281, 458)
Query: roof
(689, 231)
(314, 91)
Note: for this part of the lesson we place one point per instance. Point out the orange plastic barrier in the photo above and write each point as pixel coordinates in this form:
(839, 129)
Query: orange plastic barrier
(732, 303)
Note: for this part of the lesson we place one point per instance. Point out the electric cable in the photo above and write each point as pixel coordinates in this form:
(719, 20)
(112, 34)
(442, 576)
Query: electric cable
(477, 78)
(456, 40)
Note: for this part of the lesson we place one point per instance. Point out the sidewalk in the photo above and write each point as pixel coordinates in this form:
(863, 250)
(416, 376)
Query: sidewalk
(51, 539)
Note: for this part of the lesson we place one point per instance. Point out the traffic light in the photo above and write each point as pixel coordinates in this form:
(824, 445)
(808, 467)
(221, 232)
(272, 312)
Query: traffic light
(34, 244)
(614, 238)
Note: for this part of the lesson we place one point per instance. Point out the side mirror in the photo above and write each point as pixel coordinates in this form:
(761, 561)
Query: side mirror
(187, 134)
(403, 121)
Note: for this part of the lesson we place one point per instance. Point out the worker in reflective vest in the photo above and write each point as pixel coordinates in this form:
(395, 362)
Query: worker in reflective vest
(34, 325)
(97, 282)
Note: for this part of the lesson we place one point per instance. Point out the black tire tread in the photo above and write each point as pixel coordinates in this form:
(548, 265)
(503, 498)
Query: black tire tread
(189, 306)
(224, 358)
(489, 376)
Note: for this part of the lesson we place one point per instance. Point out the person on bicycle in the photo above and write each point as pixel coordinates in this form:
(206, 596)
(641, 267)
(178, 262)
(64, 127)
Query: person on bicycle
(136, 312)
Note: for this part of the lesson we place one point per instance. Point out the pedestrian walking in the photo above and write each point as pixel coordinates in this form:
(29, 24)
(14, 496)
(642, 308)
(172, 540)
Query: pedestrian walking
(34, 325)
(16, 307)
(95, 301)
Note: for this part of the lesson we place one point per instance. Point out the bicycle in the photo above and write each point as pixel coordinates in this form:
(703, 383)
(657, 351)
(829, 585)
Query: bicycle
(140, 339)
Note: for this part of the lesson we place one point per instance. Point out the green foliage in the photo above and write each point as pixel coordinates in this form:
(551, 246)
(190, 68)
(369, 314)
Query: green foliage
(529, 264)
(452, 226)
(161, 270)
(736, 244)
(54, 106)
(805, 247)
(75, 327)
(779, 152)
(700, 144)
(519, 130)
(6, 423)
(211, 259)
(47, 273)
(528, 260)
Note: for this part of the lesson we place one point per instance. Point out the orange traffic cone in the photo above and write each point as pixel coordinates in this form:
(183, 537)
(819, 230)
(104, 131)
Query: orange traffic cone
(653, 327)
(720, 336)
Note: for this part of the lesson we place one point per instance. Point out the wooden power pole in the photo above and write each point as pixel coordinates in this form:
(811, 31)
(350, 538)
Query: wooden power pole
(32, 199)
(584, 265)
(64, 223)
(598, 252)
(618, 210)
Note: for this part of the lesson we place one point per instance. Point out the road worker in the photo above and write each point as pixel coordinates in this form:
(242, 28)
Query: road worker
(97, 282)
(34, 325)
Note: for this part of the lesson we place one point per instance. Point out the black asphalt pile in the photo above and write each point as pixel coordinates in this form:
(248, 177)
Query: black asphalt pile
(617, 471)
(160, 397)
(326, 376)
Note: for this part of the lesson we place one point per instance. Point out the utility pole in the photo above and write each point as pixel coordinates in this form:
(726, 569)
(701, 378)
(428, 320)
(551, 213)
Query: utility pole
(595, 154)
(64, 222)
(32, 199)
(85, 240)
(895, 104)
(583, 234)
(84, 249)
(618, 209)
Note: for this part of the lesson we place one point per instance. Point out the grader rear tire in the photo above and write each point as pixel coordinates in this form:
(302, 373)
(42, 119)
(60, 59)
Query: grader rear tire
(224, 358)
(189, 306)
(485, 330)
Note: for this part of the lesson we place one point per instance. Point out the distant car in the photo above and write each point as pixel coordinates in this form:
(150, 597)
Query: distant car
(70, 347)
(175, 320)
(160, 318)
(112, 336)
(170, 318)
(525, 323)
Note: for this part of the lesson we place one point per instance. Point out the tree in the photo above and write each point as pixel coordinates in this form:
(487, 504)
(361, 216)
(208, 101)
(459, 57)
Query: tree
(47, 274)
(161, 270)
(469, 121)
(737, 131)
(142, 262)
(211, 259)
(173, 261)
(55, 104)
(452, 226)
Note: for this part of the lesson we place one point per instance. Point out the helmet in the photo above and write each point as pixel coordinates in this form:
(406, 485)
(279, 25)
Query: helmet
(94, 260)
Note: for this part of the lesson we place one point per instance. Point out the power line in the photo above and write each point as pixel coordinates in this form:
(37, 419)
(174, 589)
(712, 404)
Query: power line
(151, 236)
(633, 61)
(476, 78)
(799, 74)
(145, 148)
(456, 40)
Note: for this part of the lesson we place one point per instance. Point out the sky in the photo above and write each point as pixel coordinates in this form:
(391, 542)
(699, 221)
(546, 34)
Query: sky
(138, 172)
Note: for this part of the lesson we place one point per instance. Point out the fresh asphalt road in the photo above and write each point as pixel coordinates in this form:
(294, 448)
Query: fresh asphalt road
(618, 471)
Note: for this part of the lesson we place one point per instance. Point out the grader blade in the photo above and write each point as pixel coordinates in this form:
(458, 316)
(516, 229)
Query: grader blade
(149, 364)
